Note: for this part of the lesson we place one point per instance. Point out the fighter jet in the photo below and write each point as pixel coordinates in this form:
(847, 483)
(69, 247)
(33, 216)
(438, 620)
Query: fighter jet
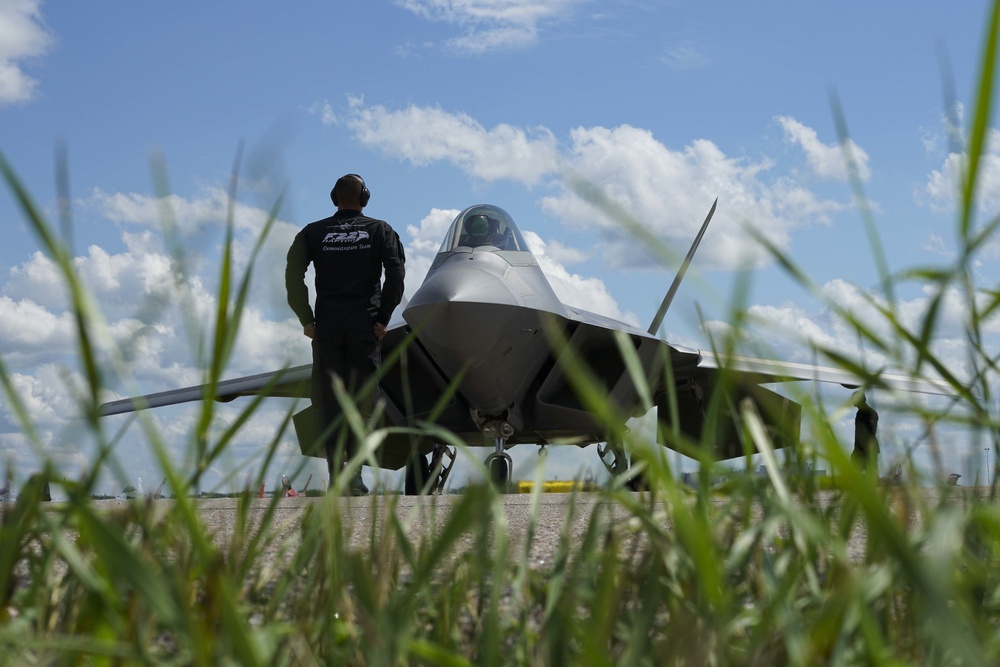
(487, 350)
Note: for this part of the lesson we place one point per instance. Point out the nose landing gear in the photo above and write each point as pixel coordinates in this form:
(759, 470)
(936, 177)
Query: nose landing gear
(499, 465)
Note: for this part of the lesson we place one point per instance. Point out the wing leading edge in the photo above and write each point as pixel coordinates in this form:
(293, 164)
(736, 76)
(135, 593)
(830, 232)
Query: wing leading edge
(290, 383)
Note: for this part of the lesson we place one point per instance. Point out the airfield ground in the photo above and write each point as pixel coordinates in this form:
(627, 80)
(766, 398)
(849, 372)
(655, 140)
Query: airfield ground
(559, 516)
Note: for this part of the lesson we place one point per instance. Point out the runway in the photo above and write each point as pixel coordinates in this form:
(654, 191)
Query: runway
(558, 519)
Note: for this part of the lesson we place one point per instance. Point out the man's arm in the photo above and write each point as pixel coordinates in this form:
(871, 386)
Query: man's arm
(393, 262)
(295, 281)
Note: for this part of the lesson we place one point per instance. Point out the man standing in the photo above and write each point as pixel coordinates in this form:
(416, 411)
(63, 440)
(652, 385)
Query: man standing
(865, 454)
(348, 252)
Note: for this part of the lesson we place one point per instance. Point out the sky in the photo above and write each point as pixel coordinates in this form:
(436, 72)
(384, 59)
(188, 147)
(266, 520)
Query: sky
(660, 107)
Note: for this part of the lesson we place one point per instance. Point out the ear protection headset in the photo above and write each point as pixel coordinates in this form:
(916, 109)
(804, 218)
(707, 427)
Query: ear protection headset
(365, 192)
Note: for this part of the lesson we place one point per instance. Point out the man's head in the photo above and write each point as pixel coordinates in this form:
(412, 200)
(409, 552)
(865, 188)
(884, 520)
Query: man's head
(350, 192)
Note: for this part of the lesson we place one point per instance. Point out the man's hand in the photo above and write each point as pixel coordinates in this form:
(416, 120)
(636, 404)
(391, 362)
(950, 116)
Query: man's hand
(379, 330)
(309, 330)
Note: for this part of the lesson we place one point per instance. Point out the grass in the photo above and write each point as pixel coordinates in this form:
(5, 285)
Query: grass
(764, 572)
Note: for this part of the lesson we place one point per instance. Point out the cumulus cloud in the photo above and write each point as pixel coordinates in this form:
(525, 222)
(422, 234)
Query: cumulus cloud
(158, 319)
(941, 191)
(200, 221)
(23, 36)
(424, 242)
(324, 111)
(827, 161)
(491, 25)
(423, 135)
(585, 293)
(796, 332)
(668, 191)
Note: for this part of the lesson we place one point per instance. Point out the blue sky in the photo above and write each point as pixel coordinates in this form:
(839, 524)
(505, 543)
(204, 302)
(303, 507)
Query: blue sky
(440, 104)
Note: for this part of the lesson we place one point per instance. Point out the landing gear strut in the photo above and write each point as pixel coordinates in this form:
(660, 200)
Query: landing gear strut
(439, 468)
(619, 465)
(429, 478)
(499, 464)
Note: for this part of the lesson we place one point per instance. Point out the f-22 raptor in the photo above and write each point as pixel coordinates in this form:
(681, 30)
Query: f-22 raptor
(487, 349)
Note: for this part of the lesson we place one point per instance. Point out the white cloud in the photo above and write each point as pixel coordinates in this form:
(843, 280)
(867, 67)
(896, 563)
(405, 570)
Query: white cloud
(31, 332)
(23, 36)
(827, 161)
(425, 240)
(794, 331)
(942, 189)
(45, 395)
(564, 254)
(491, 25)
(423, 135)
(200, 220)
(154, 212)
(573, 289)
(668, 191)
(159, 325)
(684, 55)
(324, 110)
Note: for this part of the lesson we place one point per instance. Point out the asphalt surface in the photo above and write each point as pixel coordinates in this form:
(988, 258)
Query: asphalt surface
(559, 518)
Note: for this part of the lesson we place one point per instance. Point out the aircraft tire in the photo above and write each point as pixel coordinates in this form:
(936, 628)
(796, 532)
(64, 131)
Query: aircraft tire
(638, 483)
(418, 471)
(499, 472)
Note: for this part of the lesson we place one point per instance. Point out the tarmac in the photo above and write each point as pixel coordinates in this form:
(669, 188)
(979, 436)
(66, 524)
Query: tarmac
(558, 518)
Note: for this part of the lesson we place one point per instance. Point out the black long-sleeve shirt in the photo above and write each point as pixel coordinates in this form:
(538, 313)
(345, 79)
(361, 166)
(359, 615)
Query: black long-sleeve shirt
(349, 250)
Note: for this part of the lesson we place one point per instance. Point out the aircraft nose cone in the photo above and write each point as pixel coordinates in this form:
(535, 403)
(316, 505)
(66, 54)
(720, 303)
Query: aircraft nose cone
(464, 281)
(459, 314)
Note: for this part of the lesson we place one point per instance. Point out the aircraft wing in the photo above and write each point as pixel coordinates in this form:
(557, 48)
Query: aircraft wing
(762, 371)
(291, 382)
(753, 370)
(595, 341)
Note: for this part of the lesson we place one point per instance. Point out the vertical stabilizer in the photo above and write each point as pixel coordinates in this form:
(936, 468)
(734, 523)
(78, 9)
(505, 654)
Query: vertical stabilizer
(661, 313)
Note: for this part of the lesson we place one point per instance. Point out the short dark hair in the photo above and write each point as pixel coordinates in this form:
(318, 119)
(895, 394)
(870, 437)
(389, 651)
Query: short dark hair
(349, 189)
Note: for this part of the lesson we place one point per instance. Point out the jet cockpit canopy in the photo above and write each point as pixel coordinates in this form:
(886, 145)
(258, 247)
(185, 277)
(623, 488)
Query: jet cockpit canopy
(484, 226)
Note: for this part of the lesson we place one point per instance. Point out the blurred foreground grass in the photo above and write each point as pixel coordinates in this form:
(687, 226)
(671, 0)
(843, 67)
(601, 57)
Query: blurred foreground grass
(770, 571)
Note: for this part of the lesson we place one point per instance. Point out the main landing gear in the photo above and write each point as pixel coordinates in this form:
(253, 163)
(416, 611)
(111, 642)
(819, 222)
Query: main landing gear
(429, 478)
(619, 465)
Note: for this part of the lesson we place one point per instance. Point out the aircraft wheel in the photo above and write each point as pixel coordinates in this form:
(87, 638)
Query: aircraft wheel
(638, 483)
(499, 472)
(418, 471)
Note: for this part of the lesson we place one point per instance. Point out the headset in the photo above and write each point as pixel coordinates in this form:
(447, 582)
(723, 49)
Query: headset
(365, 192)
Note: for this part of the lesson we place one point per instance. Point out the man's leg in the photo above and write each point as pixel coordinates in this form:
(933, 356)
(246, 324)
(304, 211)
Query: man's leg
(858, 458)
(362, 356)
(327, 359)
